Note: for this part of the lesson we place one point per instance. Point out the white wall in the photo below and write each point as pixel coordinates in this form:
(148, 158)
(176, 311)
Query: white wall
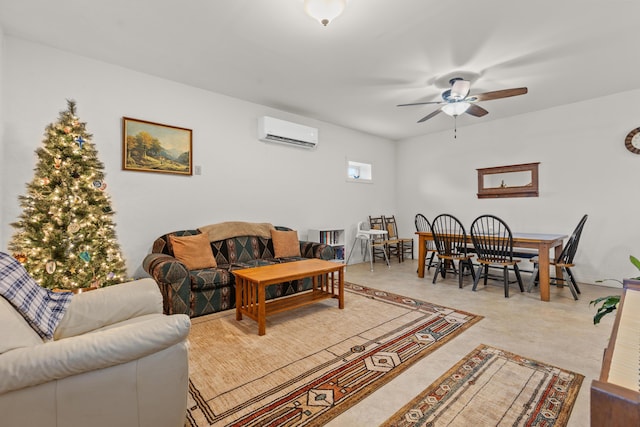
(242, 178)
(584, 168)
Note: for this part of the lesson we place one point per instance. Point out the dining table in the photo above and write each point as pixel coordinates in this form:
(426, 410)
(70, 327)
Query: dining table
(541, 242)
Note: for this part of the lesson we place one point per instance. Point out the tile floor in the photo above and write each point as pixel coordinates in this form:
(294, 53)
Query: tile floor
(559, 332)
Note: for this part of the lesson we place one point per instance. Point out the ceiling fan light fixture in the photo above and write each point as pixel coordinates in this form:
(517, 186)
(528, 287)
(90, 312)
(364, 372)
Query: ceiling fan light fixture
(324, 11)
(454, 109)
(459, 89)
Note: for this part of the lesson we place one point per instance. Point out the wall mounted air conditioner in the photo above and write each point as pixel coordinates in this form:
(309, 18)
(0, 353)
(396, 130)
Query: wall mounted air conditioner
(276, 130)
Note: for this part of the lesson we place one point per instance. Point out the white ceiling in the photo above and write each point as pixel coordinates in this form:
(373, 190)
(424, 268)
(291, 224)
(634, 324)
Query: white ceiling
(379, 53)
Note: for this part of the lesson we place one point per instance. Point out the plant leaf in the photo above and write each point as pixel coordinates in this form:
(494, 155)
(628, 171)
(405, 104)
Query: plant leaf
(635, 262)
(600, 314)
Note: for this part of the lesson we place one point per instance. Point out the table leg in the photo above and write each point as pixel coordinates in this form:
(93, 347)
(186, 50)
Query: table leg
(262, 311)
(422, 254)
(341, 288)
(239, 291)
(543, 259)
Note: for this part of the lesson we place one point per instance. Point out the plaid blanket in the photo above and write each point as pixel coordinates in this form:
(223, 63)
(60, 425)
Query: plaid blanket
(42, 309)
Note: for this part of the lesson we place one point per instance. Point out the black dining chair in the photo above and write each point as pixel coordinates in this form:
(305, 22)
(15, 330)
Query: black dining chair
(450, 240)
(493, 242)
(423, 225)
(564, 261)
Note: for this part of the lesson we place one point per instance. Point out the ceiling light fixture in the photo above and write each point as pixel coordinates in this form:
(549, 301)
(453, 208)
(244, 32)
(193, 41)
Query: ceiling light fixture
(324, 11)
(455, 108)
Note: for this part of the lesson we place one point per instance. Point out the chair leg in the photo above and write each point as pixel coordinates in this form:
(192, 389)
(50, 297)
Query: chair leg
(473, 274)
(506, 281)
(461, 264)
(477, 279)
(435, 275)
(573, 280)
(534, 276)
(386, 258)
(351, 251)
(516, 270)
(569, 282)
(430, 260)
(486, 274)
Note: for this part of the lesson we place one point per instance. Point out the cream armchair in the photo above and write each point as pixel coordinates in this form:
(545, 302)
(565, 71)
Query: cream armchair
(115, 360)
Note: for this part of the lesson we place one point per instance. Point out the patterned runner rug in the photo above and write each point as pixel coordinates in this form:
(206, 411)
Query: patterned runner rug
(492, 387)
(314, 362)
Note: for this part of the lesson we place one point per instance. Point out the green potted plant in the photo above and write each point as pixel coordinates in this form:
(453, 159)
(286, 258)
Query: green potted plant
(610, 303)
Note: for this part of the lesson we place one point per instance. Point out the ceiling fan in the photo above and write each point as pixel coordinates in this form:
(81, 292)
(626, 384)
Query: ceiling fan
(456, 101)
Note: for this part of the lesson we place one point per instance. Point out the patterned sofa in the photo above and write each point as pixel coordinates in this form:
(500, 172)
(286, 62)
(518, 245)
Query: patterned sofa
(198, 292)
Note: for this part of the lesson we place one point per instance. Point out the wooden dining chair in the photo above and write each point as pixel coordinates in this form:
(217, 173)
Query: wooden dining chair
(493, 242)
(423, 225)
(450, 240)
(386, 248)
(404, 244)
(564, 261)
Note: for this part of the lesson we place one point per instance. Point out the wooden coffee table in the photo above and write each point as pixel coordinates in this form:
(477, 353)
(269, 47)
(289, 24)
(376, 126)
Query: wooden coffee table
(251, 284)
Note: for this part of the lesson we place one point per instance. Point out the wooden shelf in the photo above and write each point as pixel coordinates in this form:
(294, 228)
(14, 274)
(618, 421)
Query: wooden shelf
(333, 237)
(511, 181)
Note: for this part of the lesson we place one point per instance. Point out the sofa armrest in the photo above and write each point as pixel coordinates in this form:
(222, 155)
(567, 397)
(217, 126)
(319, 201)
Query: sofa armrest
(93, 310)
(174, 282)
(30, 366)
(316, 250)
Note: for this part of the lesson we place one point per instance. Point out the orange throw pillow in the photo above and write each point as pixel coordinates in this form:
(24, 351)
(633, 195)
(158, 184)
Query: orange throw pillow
(193, 251)
(285, 243)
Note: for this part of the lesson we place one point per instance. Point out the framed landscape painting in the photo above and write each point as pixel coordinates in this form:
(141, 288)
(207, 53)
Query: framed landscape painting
(154, 147)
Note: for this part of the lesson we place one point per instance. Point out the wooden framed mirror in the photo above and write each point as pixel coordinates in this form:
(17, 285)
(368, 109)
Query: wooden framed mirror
(508, 181)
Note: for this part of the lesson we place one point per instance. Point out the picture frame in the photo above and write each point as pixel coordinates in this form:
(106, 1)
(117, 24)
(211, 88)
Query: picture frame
(156, 147)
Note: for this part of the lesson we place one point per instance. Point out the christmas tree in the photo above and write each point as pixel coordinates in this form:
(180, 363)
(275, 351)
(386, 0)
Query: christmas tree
(65, 235)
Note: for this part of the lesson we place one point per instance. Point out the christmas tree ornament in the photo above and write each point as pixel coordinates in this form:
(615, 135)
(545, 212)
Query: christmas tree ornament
(73, 228)
(85, 256)
(66, 129)
(96, 283)
(21, 258)
(97, 183)
(75, 175)
(51, 267)
(45, 181)
(103, 186)
(57, 163)
(111, 275)
(80, 141)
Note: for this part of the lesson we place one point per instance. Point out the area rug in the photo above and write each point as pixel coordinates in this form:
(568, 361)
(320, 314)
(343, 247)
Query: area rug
(492, 387)
(314, 362)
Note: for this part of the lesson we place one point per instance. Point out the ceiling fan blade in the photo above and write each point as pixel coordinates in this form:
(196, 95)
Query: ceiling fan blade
(505, 93)
(420, 103)
(476, 110)
(433, 114)
(460, 89)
